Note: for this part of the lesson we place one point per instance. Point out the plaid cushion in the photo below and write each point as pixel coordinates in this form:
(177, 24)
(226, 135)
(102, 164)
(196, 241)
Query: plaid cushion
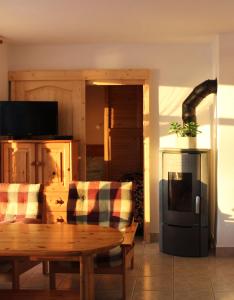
(20, 203)
(106, 203)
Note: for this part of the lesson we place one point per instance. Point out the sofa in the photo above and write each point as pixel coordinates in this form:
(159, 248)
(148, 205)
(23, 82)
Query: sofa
(104, 203)
(19, 203)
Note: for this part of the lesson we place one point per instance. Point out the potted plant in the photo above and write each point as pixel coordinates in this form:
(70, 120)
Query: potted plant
(186, 133)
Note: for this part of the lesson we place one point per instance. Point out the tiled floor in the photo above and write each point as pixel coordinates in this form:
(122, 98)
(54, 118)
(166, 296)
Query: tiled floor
(155, 276)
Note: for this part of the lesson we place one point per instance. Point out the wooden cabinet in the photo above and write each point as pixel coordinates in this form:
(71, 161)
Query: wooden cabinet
(54, 163)
(56, 207)
(18, 162)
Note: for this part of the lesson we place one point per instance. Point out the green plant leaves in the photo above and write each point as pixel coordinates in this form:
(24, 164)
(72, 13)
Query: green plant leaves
(187, 129)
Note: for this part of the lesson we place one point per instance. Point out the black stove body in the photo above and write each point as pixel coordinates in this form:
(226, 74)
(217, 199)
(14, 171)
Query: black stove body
(184, 202)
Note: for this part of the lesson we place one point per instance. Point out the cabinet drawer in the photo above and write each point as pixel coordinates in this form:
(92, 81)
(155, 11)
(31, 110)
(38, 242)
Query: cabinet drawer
(56, 201)
(59, 217)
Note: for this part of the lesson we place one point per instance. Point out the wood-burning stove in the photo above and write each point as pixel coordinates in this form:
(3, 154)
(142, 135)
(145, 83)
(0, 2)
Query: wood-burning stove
(184, 202)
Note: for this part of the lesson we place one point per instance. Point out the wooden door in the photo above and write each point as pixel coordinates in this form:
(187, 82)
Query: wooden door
(123, 131)
(18, 162)
(54, 164)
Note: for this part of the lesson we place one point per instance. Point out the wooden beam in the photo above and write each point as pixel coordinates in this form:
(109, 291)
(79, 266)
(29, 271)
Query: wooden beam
(129, 74)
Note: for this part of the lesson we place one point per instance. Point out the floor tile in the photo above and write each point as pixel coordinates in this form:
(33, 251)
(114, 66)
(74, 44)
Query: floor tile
(157, 259)
(67, 281)
(156, 276)
(224, 296)
(188, 283)
(223, 283)
(109, 295)
(152, 295)
(156, 270)
(194, 295)
(154, 283)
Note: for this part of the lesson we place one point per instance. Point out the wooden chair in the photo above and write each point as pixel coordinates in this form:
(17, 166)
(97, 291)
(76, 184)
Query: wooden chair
(106, 204)
(19, 203)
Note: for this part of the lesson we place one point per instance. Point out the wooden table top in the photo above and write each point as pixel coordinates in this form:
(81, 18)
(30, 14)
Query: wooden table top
(56, 239)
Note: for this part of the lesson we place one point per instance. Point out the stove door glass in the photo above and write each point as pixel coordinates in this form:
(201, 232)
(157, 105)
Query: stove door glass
(180, 191)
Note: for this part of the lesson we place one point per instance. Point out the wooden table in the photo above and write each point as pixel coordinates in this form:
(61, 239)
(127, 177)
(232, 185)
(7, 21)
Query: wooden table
(56, 241)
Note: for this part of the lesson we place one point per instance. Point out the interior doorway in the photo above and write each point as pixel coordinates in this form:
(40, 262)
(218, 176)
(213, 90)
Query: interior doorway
(114, 138)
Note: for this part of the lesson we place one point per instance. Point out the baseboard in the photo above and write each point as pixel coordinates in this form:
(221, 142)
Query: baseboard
(224, 251)
(154, 237)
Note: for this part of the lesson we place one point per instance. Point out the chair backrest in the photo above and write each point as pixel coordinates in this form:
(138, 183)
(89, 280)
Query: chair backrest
(106, 203)
(20, 203)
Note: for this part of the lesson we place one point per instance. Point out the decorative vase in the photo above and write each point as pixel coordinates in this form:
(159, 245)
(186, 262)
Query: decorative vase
(186, 142)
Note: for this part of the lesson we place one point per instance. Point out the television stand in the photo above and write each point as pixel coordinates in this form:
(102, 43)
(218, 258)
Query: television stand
(51, 162)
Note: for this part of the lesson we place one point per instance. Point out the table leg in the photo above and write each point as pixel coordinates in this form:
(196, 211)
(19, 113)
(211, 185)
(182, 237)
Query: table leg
(86, 278)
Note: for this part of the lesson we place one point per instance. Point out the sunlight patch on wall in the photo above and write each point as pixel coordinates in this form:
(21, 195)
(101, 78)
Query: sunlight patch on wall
(170, 110)
(225, 101)
(146, 179)
(225, 161)
(225, 171)
(171, 99)
(203, 138)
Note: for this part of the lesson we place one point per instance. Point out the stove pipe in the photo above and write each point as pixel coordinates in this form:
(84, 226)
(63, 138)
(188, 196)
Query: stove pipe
(198, 94)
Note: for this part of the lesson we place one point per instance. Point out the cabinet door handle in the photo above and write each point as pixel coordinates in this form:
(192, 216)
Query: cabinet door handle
(60, 219)
(59, 201)
(197, 205)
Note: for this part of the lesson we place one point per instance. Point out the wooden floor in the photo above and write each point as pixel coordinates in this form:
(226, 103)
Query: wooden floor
(156, 276)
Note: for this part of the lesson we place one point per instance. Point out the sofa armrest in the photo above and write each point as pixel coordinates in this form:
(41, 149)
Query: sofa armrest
(129, 235)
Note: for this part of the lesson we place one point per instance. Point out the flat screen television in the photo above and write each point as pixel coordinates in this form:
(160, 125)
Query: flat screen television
(25, 119)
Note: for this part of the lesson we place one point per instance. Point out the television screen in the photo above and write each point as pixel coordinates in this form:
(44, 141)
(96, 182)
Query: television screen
(28, 118)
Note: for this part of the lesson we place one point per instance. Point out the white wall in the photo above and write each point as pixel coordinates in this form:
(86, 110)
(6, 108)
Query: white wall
(225, 141)
(3, 72)
(177, 69)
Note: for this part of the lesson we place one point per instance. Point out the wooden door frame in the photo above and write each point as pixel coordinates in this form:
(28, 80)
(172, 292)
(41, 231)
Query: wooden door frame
(101, 77)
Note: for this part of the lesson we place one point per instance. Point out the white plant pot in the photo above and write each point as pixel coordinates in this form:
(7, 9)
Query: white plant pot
(186, 142)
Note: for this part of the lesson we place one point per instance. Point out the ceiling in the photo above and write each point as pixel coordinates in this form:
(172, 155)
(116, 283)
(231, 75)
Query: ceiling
(113, 21)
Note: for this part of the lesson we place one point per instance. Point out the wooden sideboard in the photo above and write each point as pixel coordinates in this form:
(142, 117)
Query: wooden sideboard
(54, 163)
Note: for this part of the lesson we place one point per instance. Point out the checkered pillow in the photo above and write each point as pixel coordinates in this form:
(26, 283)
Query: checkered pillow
(20, 203)
(106, 203)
